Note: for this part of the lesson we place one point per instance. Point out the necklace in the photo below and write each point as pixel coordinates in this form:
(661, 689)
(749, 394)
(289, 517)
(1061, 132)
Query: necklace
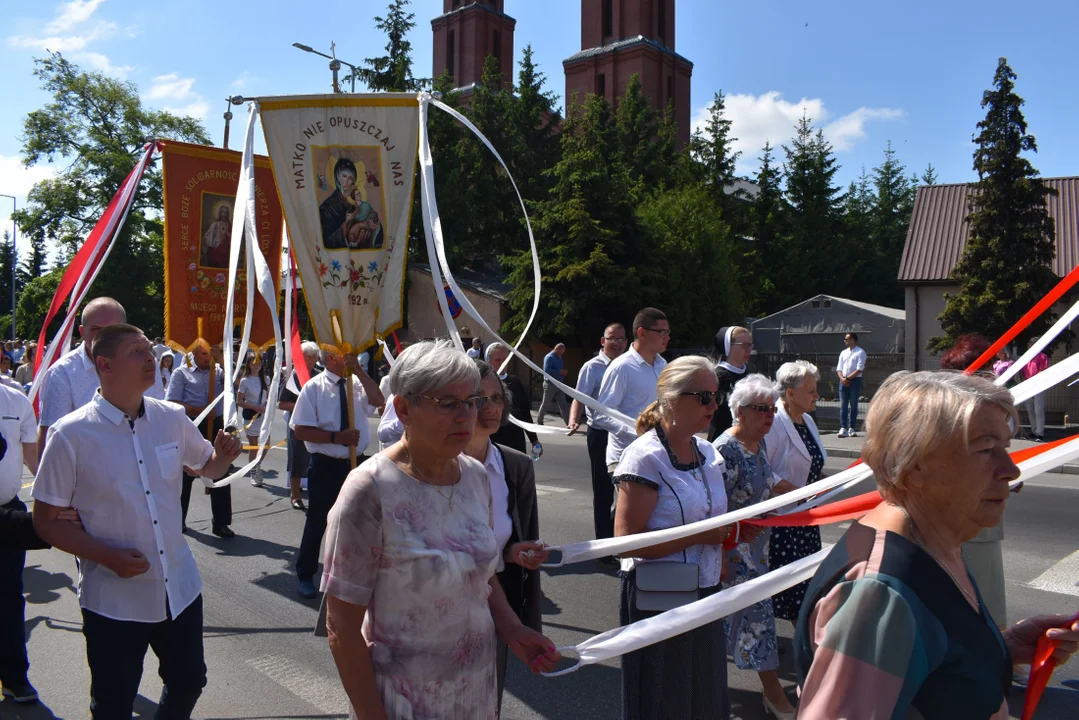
(916, 536)
(438, 488)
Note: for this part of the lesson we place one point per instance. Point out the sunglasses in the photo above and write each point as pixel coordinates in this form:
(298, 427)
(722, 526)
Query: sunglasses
(769, 409)
(704, 397)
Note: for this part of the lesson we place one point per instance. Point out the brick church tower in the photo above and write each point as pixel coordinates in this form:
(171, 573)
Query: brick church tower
(467, 32)
(623, 37)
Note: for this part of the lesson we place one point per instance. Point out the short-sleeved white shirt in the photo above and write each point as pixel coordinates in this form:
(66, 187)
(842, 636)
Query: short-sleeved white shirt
(125, 477)
(18, 425)
(628, 386)
(683, 496)
(71, 383)
(319, 406)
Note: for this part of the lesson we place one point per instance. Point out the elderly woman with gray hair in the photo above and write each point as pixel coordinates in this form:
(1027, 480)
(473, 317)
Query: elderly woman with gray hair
(797, 455)
(413, 604)
(751, 633)
(937, 443)
(516, 517)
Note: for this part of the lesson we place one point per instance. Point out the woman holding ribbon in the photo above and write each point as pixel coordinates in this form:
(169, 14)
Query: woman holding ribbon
(937, 443)
(516, 518)
(751, 633)
(510, 435)
(734, 345)
(797, 455)
(668, 477)
(413, 603)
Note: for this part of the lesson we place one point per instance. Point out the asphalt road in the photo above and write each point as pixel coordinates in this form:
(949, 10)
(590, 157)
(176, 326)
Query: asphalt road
(264, 662)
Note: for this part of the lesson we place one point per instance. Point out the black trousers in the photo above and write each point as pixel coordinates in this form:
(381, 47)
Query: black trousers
(602, 487)
(325, 477)
(220, 498)
(115, 650)
(14, 663)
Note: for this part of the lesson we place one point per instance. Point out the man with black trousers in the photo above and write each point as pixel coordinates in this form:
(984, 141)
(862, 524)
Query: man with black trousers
(190, 387)
(320, 420)
(612, 344)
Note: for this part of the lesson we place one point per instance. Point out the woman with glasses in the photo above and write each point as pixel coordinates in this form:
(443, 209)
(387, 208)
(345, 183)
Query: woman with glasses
(751, 633)
(668, 477)
(516, 518)
(413, 604)
(797, 455)
(734, 345)
(510, 435)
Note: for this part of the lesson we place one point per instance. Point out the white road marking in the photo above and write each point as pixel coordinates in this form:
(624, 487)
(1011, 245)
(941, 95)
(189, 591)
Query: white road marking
(1062, 578)
(542, 490)
(324, 694)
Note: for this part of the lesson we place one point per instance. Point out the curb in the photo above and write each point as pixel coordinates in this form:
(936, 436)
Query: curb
(1067, 469)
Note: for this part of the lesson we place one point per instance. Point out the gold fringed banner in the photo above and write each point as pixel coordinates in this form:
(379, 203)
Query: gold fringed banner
(200, 197)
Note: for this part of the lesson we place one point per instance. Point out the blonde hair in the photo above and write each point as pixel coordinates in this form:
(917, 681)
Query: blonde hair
(914, 414)
(672, 381)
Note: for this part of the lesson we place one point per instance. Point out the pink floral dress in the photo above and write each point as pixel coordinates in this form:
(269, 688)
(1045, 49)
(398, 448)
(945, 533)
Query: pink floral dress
(394, 545)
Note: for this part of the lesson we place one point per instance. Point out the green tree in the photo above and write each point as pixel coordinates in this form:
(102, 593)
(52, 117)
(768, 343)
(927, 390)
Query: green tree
(535, 142)
(588, 232)
(6, 251)
(34, 302)
(893, 202)
(1006, 266)
(392, 72)
(95, 127)
(713, 150)
(690, 278)
(33, 263)
(766, 231)
(929, 177)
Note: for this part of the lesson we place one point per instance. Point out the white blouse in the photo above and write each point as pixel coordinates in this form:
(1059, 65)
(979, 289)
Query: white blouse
(687, 494)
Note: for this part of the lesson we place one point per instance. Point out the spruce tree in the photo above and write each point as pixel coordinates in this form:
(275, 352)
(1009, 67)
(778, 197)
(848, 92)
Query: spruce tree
(1006, 266)
(893, 201)
(766, 230)
(534, 120)
(392, 72)
(713, 150)
(929, 177)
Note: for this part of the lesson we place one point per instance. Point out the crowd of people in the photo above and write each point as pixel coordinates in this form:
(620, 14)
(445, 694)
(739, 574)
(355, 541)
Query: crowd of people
(430, 568)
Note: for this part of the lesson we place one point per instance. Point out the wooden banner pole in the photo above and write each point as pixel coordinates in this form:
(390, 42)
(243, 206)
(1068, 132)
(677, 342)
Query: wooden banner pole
(351, 413)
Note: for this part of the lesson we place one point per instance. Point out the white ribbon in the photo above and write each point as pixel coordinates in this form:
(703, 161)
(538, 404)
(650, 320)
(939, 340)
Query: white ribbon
(258, 272)
(436, 251)
(286, 372)
(390, 360)
(1040, 344)
(1046, 379)
(82, 284)
(664, 626)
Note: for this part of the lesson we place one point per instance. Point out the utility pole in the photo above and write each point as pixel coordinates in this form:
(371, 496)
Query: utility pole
(14, 256)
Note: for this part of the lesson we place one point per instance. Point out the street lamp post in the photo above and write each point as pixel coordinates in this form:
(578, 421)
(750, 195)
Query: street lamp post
(14, 255)
(335, 64)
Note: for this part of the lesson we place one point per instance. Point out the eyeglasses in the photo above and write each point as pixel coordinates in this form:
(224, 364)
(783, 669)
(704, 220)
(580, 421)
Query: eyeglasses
(764, 409)
(453, 405)
(705, 397)
(661, 331)
(743, 344)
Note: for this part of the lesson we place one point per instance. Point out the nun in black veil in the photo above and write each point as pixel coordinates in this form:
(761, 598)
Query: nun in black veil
(733, 346)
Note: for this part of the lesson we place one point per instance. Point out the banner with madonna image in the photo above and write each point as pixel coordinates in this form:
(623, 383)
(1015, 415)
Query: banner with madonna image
(345, 166)
(200, 207)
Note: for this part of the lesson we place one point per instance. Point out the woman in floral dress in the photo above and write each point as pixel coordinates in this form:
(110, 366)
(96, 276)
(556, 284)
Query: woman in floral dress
(751, 633)
(412, 601)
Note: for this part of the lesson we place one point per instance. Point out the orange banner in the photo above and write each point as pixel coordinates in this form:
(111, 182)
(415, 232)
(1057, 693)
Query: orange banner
(200, 195)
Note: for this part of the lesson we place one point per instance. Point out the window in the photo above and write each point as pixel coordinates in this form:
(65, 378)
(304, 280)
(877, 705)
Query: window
(661, 24)
(608, 18)
(456, 4)
(827, 303)
(814, 303)
(497, 49)
(601, 85)
(451, 55)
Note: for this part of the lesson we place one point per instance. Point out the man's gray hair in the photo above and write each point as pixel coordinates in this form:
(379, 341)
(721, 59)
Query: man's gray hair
(427, 366)
(750, 390)
(791, 375)
(491, 348)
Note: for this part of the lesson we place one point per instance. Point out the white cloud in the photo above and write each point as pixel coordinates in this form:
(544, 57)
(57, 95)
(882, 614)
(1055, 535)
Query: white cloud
(241, 82)
(16, 179)
(102, 63)
(65, 43)
(72, 14)
(178, 96)
(756, 119)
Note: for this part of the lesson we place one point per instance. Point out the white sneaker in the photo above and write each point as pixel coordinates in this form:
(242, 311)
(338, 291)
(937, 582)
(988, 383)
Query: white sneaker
(851, 433)
(842, 433)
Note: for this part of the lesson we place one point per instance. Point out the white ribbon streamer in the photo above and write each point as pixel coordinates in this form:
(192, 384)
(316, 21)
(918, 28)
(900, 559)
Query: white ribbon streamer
(1046, 379)
(436, 251)
(664, 626)
(1040, 344)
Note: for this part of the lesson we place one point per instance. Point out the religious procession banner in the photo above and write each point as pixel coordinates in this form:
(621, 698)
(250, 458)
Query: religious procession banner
(200, 197)
(345, 166)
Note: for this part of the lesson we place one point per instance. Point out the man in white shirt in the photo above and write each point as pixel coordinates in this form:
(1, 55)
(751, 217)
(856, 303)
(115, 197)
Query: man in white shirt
(18, 426)
(476, 351)
(849, 370)
(629, 385)
(612, 344)
(72, 380)
(320, 420)
(298, 459)
(119, 461)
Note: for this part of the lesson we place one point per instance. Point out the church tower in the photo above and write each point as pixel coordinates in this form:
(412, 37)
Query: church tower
(623, 37)
(467, 32)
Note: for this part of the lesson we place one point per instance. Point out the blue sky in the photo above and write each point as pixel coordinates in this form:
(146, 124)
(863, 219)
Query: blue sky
(910, 72)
